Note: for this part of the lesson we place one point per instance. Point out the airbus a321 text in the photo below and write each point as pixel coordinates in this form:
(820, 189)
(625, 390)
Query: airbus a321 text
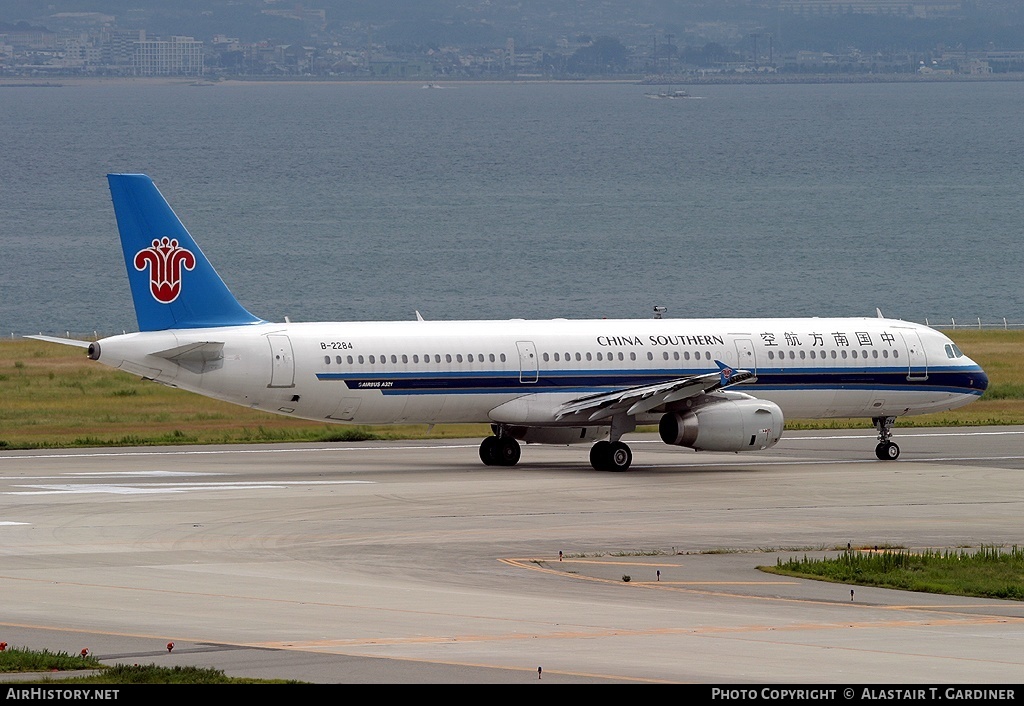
(708, 384)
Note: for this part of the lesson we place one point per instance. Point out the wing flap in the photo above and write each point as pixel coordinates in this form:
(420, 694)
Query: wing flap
(637, 400)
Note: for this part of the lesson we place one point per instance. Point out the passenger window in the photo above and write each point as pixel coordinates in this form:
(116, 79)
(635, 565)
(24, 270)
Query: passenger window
(492, 357)
(327, 359)
(665, 355)
(360, 360)
(447, 357)
(803, 355)
(458, 357)
(350, 360)
(372, 360)
(600, 356)
(502, 357)
(589, 357)
(405, 358)
(632, 355)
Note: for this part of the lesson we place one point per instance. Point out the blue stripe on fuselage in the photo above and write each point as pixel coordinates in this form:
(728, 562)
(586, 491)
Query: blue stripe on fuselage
(955, 380)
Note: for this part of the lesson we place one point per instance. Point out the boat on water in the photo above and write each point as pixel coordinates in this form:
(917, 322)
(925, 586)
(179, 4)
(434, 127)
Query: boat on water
(669, 94)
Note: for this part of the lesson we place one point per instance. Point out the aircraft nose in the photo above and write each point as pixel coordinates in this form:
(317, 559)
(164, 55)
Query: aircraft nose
(979, 380)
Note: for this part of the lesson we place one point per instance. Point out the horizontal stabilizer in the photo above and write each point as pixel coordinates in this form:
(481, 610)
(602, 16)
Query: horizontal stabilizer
(62, 341)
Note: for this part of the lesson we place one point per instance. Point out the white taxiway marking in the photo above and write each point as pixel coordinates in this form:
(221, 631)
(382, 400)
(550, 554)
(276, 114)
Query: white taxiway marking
(153, 488)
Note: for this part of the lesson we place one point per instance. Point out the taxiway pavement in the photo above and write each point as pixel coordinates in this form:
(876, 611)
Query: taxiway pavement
(411, 562)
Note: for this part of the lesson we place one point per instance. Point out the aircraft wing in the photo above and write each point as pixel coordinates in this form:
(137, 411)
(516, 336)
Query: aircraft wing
(636, 400)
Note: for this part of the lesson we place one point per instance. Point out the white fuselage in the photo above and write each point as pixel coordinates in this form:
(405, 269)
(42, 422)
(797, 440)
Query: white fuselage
(520, 372)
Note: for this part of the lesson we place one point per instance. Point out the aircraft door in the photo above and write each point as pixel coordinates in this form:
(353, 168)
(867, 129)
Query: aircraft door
(745, 355)
(282, 371)
(527, 361)
(918, 364)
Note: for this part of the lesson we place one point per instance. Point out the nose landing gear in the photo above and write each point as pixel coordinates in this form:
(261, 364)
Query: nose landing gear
(887, 450)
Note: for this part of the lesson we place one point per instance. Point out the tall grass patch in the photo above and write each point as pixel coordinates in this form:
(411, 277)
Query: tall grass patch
(989, 572)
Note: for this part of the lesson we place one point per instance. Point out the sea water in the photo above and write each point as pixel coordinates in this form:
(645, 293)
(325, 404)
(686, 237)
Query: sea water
(349, 201)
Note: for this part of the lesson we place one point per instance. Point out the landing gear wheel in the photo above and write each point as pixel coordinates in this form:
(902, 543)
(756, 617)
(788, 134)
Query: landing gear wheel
(489, 451)
(620, 457)
(887, 451)
(610, 456)
(599, 454)
(508, 451)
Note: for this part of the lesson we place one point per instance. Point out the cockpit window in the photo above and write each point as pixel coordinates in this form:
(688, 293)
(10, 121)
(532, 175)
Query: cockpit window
(957, 351)
(949, 351)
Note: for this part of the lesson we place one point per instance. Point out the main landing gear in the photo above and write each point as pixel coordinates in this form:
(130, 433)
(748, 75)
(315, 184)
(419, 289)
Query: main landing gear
(886, 450)
(610, 456)
(500, 449)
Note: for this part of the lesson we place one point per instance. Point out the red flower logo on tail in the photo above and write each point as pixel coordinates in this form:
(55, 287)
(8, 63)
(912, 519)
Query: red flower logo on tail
(166, 261)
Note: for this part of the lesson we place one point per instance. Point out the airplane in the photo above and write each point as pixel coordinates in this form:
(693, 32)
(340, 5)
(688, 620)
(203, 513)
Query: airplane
(723, 385)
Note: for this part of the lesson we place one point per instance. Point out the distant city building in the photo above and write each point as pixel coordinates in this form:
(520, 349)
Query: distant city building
(119, 46)
(177, 56)
(908, 8)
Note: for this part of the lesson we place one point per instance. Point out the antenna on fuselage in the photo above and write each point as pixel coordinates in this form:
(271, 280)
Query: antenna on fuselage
(658, 311)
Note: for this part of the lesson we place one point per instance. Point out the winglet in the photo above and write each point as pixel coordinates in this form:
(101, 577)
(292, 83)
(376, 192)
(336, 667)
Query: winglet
(731, 376)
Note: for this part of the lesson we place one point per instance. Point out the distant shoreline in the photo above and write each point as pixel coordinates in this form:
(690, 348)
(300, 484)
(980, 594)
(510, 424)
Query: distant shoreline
(716, 80)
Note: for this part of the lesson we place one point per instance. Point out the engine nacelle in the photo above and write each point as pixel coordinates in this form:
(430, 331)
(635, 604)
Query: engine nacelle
(725, 425)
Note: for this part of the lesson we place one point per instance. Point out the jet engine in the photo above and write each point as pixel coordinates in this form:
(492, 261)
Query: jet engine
(747, 424)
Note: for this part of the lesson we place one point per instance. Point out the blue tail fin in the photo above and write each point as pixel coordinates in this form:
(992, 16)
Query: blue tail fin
(173, 284)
